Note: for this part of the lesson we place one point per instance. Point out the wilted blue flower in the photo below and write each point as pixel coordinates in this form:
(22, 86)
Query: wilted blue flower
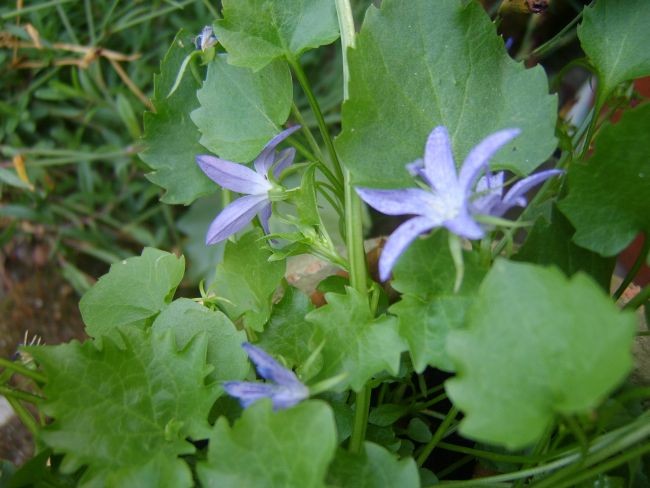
(254, 184)
(452, 198)
(205, 39)
(285, 391)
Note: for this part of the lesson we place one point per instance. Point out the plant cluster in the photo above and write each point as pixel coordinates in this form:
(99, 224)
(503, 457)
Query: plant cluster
(487, 348)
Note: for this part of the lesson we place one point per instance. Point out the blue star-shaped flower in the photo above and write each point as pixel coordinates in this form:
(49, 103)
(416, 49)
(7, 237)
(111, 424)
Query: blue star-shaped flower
(453, 197)
(284, 389)
(255, 185)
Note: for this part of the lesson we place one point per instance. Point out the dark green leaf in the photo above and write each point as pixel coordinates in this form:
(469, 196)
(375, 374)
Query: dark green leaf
(284, 449)
(242, 110)
(187, 318)
(375, 467)
(126, 413)
(246, 280)
(255, 32)
(355, 343)
(550, 243)
(419, 64)
(132, 293)
(171, 139)
(537, 345)
(288, 333)
(612, 33)
(609, 197)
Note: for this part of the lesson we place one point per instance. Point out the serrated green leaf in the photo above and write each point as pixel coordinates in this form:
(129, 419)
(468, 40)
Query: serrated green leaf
(612, 33)
(256, 32)
(242, 110)
(419, 64)
(187, 318)
(550, 243)
(284, 449)
(288, 333)
(609, 197)
(355, 343)
(375, 467)
(537, 346)
(132, 293)
(429, 308)
(118, 410)
(170, 137)
(246, 280)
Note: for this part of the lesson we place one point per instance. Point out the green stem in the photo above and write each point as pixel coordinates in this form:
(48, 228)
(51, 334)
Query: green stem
(317, 152)
(631, 274)
(315, 107)
(640, 298)
(20, 369)
(20, 395)
(353, 227)
(437, 436)
(24, 416)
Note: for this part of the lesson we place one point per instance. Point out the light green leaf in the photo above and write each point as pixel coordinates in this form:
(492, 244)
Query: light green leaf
(109, 404)
(356, 344)
(242, 110)
(255, 32)
(612, 34)
(429, 308)
(537, 346)
(132, 293)
(284, 449)
(419, 64)
(609, 197)
(246, 280)
(288, 333)
(171, 139)
(187, 318)
(375, 467)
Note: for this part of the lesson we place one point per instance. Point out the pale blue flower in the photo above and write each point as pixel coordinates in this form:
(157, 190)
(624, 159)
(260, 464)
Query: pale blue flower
(284, 388)
(453, 197)
(205, 39)
(254, 184)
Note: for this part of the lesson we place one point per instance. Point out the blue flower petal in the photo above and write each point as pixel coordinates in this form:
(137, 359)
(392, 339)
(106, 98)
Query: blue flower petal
(265, 160)
(235, 217)
(233, 176)
(399, 240)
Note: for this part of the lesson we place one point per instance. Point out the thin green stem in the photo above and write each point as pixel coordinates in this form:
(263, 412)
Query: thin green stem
(353, 225)
(491, 456)
(20, 395)
(22, 370)
(631, 274)
(641, 298)
(360, 425)
(437, 436)
(24, 415)
(315, 107)
(557, 39)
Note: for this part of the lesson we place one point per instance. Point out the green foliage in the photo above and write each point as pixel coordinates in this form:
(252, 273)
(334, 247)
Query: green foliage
(456, 73)
(246, 280)
(108, 404)
(355, 343)
(612, 33)
(549, 242)
(132, 293)
(241, 110)
(609, 196)
(429, 308)
(288, 334)
(537, 346)
(285, 449)
(187, 319)
(171, 139)
(375, 467)
(255, 32)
